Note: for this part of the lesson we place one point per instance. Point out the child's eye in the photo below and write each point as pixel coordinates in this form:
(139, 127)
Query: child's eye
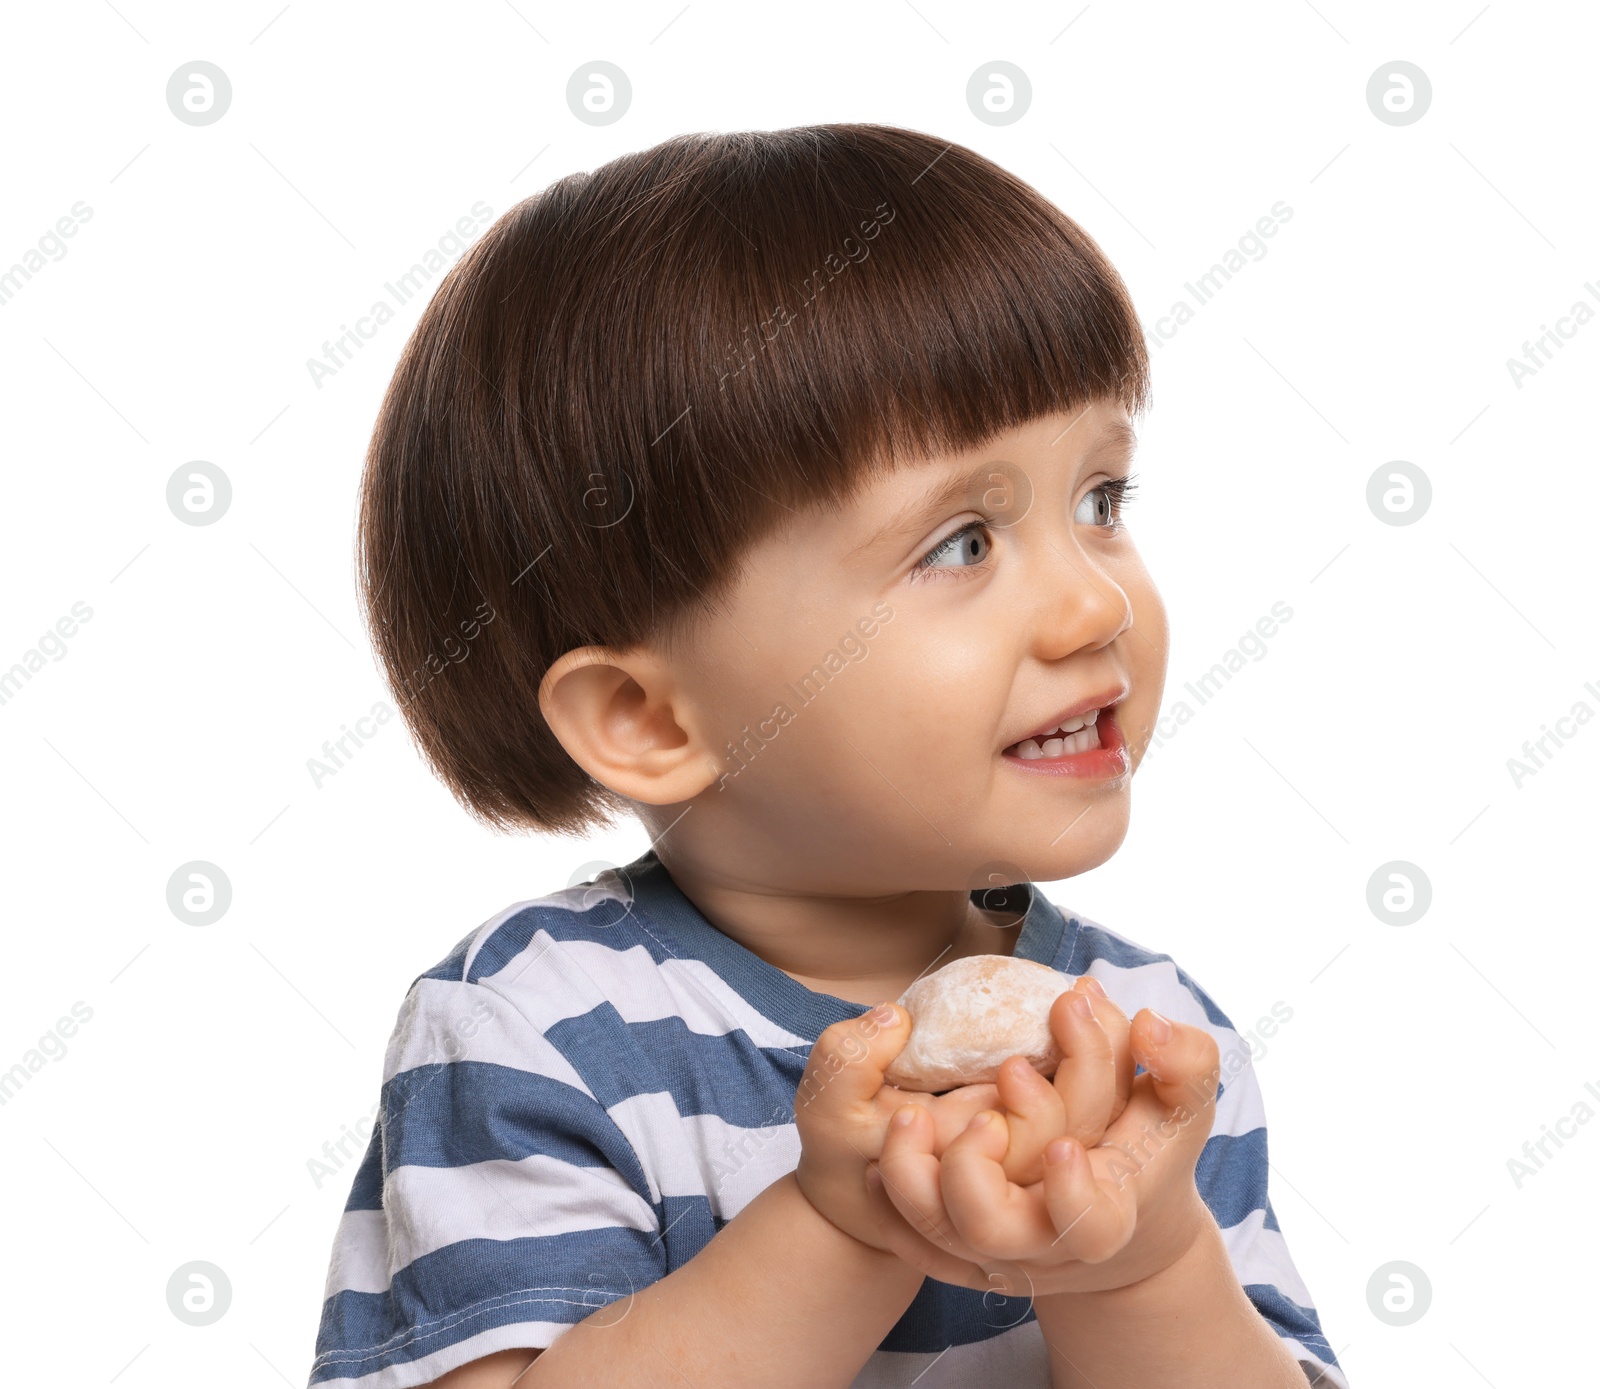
(1104, 503)
(965, 545)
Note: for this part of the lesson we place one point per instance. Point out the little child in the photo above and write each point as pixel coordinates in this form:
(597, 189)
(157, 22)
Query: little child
(769, 487)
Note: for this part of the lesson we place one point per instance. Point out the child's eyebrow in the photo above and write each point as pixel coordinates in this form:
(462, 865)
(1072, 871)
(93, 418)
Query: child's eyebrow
(1116, 440)
(918, 513)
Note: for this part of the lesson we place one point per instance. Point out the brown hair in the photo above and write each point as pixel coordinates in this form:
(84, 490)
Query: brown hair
(634, 374)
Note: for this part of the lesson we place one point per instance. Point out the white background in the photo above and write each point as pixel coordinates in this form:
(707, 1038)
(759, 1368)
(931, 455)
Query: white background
(179, 1123)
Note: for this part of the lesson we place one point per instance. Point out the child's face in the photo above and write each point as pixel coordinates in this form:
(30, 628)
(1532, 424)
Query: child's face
(896, 774)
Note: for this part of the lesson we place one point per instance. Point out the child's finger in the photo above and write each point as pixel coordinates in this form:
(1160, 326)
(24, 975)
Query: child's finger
(1182, 1060)
(1034, 1115)
(900, 1238)
(1115, 1023)
(847, 1062)
(1091, 1220)
(910, 1173)
(992, 1216)
(1086, 1079)
(1091, 1085)
(953, 1110)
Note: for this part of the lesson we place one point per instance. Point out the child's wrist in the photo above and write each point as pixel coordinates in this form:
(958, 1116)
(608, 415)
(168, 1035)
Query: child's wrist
(1164, 1284)
(877, 1261)
(1189, 1320)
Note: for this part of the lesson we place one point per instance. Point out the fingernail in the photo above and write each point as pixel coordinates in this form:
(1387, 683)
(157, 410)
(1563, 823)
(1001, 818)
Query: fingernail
(883, 1014)
(1159, 1028)
(874, 1178)
(979, 1120)
(1095, 984)
(1081, 1006)
(1059, 1152)
(904, 1116)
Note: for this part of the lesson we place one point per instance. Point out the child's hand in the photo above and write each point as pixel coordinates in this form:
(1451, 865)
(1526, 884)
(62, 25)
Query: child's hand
(1090, 1089)
(1102, 1218)
(842, 1109)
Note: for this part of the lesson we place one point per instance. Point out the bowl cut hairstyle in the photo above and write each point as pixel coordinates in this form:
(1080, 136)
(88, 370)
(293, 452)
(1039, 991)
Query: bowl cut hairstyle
(640, 372)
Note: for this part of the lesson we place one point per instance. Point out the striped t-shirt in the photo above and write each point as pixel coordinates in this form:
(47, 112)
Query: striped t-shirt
(593, 1083)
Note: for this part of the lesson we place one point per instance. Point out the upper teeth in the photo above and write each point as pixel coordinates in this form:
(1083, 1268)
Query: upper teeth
(1071, 725)
(1074, 736)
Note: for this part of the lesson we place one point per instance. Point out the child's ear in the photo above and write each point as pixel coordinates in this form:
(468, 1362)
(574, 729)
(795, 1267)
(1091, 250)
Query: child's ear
(622, 718)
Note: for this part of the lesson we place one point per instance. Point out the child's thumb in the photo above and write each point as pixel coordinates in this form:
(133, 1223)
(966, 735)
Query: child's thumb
(848, 1061)
(1182, 1061)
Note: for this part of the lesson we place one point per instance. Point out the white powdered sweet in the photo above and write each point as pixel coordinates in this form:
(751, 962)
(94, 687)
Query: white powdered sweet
(970, 1016)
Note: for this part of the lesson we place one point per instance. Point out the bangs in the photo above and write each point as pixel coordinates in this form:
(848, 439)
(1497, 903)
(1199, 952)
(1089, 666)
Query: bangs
(910, 309)
(795, 309)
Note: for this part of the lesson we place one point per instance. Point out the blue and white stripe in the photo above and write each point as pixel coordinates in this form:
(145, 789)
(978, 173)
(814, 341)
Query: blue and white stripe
(593, 1083)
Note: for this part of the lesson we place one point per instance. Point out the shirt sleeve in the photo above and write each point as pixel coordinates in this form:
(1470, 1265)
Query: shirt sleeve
(497, 1204)
(1232, 1178)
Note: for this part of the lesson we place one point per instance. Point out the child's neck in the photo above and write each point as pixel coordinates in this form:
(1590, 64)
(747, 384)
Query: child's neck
(984, 935)
(864, 951)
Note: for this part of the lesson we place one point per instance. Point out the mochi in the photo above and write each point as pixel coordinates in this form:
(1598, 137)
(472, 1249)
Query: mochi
(970, 1016)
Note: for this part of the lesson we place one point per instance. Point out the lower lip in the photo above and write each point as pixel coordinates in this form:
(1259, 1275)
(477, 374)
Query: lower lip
(1110, 759)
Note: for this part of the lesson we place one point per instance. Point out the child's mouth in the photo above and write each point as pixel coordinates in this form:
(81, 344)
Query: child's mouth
(1090, 745)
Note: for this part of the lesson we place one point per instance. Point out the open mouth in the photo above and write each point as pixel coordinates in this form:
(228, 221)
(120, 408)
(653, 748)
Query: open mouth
(1081, 734)
(1088, 745)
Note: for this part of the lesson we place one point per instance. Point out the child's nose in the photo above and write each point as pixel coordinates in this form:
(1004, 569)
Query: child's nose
(1078, 604)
